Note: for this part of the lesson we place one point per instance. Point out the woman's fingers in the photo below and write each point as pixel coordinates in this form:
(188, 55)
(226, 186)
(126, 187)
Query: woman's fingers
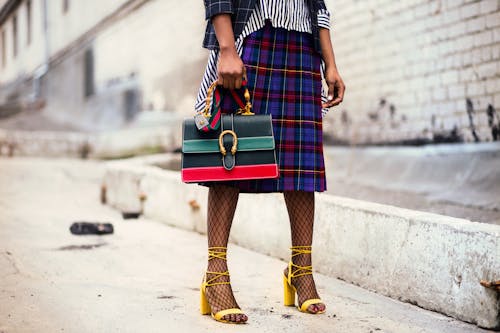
(237, 82)
(227, 82)
(336, 88)
(340, 89)
(330, 97)
(231, 81)
(336, 91)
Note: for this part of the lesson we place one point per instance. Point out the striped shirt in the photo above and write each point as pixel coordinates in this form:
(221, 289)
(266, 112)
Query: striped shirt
(289, 14)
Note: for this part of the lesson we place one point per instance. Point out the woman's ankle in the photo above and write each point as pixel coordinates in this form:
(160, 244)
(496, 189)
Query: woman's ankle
(302, 260)
(217, 265)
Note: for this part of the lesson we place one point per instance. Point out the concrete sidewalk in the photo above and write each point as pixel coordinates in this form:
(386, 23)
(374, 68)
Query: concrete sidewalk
(145, 277)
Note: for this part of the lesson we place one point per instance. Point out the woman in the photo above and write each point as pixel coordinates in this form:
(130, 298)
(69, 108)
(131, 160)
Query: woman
(281, 45)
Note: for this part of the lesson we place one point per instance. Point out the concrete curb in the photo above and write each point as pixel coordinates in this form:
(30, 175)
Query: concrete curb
(430, 260)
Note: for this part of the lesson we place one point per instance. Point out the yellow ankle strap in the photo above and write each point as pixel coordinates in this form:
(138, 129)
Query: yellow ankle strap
(300, 249)
(300, 270)
(217, 275)
(217, 252)
(220, 253)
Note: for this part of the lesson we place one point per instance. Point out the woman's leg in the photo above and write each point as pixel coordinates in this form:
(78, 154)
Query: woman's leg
(300, 206)
(222, 202)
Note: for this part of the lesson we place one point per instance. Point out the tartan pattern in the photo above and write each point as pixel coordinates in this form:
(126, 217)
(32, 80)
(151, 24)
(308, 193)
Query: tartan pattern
(213, 7)
(284, 80)
(241, 11)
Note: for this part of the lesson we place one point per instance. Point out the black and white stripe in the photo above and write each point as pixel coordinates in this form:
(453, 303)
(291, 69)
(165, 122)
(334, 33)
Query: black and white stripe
(289, 14)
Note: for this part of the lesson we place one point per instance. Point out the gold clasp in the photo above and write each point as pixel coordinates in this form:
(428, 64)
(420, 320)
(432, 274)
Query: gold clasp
(221, 143)
(247, 110)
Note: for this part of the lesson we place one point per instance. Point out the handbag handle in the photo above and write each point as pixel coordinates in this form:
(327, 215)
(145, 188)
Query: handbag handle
(212, 92)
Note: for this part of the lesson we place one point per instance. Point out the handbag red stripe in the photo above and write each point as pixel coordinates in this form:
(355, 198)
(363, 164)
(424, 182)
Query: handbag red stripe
(239, 172)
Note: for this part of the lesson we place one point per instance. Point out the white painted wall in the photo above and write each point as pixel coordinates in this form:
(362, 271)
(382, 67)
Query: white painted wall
(424, 57)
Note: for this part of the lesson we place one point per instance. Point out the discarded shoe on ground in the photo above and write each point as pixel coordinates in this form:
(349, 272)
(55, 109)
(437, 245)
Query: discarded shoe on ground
(89, 228)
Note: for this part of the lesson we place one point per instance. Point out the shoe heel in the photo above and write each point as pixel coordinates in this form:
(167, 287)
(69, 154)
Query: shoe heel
(204, 306)
(288, 293)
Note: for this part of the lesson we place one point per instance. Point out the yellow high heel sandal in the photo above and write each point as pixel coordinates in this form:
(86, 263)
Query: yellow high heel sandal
(215, 252)
(296, 271)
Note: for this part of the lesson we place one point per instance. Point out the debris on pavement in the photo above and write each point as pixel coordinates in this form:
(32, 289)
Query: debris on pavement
(131, 215)
(91, 228)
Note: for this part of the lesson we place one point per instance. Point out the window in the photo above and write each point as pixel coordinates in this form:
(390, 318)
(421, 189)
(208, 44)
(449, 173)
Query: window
(14, 35)
(65, 6)
(89, 72)
(4, 54)
(28, 22)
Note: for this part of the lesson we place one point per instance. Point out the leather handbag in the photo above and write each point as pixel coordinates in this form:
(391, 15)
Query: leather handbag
(222, 147)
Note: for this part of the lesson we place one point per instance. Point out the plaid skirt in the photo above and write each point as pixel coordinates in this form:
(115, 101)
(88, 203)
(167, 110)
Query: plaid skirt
(284, 80)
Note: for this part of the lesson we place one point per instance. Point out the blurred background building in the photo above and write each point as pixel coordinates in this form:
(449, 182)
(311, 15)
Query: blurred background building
(416, 71)
(94, 65)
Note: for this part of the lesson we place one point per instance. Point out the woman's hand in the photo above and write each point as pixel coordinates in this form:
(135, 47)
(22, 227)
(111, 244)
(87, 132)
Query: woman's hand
(336, 88)
(230, 68)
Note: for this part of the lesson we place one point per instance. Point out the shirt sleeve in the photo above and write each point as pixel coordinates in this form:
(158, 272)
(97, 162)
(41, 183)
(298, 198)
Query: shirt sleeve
(324, 18)
(215, 7)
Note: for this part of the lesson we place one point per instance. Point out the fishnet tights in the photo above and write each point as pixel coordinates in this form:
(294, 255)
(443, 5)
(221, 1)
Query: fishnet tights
(300, 206)
(222, 201)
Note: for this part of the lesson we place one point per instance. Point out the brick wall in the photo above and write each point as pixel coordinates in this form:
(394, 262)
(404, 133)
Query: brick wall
(416, 71)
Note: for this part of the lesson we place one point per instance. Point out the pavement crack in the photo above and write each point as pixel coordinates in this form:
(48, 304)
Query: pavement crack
(12, 263)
